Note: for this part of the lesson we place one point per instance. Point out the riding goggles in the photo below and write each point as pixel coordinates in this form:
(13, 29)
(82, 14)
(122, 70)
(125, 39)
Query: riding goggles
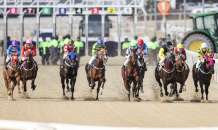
(100, 44)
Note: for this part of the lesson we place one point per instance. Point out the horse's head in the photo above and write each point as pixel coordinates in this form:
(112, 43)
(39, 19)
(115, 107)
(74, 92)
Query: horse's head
(102, 55)
(171, 57)
(29, 55)
(14, 60)
(134, 54)
(72, 58)
(179, 59)
(210, 62)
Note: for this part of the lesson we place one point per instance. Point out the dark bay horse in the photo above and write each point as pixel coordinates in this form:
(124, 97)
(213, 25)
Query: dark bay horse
(182, 73)
(97, 72)
(69, 71)
(131, 74)
(204, 75)
(12, 76)
(29, 71)
(167, 74)
(142, 72)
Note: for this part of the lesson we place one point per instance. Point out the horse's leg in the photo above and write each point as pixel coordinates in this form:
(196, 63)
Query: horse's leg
(127, 85)
(206, 90)
(32, 84)
(12, 88)
(67, 82)
(181, 87)
(102, 87)
(24, 83)
(9, 88)
(18, 84)
(160, 84)
(202, 91)
(63, 86)
(6, 83)
(171, 90)
(165, 88)
(134, 88)
(99, 85)
(73, 82)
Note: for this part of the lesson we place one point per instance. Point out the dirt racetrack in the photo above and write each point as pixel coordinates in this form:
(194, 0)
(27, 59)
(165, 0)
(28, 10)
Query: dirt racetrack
(44, 104)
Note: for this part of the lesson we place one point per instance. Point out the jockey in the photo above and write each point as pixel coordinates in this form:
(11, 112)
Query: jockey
(142, 50)
(28, 47)
(68, 48)
(132, 44)
(204, 50)
(163, 51)
(180, 50)
(14, 48)
(96, 47)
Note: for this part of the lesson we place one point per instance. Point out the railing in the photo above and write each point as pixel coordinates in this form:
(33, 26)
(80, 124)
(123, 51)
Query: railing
(192, 59)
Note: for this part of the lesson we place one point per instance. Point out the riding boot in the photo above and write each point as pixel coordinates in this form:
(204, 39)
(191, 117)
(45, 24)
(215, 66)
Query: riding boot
(6, 68)
(61, 65)
(145, 67)
(196, 70)
(88, 67)
(77, 62)
(124, 67)
(141, 68)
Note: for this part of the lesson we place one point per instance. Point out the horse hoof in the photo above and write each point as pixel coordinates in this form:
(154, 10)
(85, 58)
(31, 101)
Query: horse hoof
(196, 90)
(72, 99)
(170, 95)
(68, 90)
(180, 91)
(161, 94)
(90, 89)
(202, 101)
(184, 89)
(19, 92)
(141, 91)
(9, 97)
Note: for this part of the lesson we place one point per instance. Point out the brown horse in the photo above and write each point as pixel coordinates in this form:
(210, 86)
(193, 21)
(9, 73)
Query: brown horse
(12, 76)
(97, 72)
(204, 75)
(29, 71)
(131, 74)
(182, 72)
(69, 71)
(167, 74)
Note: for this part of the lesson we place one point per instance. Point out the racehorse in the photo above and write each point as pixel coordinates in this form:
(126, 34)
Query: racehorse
(69, 71)
(97, 72)
(167, 74)
(131, 74)
(182, 73)
(204, 75)
(142, 72)
(29, 70)
(12, 76)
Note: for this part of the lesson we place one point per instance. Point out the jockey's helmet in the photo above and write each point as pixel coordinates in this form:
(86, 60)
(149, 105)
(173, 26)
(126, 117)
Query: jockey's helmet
(133, 43)
(204, 47)
(169, 46)
(179, 48)
(71, 43)
(140, 42)
(28, 41)
(14, 43)
(100, 42)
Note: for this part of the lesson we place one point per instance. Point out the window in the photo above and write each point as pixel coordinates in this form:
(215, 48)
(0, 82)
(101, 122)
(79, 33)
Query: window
(210, 26)
(209, 22)
(199, 23)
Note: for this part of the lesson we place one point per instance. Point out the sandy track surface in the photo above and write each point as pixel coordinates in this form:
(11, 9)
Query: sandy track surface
(44, 104)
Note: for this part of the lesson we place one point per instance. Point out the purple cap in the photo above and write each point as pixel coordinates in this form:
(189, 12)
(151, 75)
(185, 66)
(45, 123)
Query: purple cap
(14, 43)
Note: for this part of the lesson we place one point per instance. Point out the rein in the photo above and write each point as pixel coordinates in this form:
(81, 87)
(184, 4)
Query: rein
(29, 69)
(68, 64)
(167, 70)
(15, 68)
(203, 71)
